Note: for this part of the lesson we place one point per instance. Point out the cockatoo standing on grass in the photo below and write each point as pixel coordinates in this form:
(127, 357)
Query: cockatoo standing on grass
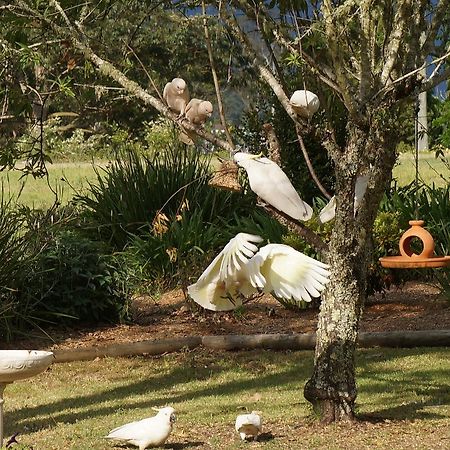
(145, 433)
(176, 95)
(249, 425)
(269, 182)
(240, 270)
(305, 103)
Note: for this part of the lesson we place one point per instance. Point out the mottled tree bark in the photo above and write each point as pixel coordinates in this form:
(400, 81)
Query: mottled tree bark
(332, 386)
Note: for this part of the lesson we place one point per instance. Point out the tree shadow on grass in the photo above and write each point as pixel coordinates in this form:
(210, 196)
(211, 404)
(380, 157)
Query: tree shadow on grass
(94, 405)
(400, 394)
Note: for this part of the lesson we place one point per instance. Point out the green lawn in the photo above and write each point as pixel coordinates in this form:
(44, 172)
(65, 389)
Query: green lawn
(64, 180)
(67, 178)
(404, 393)
(431, 169)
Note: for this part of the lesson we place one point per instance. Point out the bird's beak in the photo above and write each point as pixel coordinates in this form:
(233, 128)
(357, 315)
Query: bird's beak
(173, 418)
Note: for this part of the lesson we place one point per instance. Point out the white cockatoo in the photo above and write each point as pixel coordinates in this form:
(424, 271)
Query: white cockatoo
(145, 433)
(198, 111)
(287, 273)
(249, 425)
(219, 285)
(305, 103)
(241, 270)
(328, 212)
(272, 185)
(176, 95)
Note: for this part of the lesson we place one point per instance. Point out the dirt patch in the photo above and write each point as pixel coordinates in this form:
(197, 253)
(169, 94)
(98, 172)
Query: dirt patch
(413, 307)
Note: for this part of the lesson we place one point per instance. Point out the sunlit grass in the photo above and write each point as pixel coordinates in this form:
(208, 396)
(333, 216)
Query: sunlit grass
(68, 178)
(431, 169)
(64, 180)
(73, 405)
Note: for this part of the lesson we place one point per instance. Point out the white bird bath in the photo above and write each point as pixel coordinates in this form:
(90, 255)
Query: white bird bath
(17, 365)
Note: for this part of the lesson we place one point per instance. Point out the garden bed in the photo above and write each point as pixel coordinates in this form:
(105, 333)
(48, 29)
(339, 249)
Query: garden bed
(412, 307)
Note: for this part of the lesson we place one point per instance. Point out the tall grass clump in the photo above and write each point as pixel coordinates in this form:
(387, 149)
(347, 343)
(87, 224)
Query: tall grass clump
(136, 191)
(13, 251)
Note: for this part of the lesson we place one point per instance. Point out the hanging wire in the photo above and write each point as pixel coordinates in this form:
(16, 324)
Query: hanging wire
(416, 159)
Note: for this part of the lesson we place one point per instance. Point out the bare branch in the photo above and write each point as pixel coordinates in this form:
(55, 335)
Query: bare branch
(215, 78)
(365, 40)
(309, 164)
(329, 14)
(426, 84)
(297, 227)
(442, 8)
(395, 39)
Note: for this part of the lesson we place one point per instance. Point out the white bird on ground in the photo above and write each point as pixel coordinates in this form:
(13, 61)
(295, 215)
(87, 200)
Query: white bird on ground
(249, 425)
(328, 212)
(145, 433)
(176, 95)
(305, 103)
(240, 270)
(272, 185)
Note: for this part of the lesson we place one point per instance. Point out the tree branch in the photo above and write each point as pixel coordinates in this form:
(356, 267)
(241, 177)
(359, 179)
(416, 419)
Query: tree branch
(395, 39)
(309, 164)
(107, 69)
(297, 227)
(215, 79)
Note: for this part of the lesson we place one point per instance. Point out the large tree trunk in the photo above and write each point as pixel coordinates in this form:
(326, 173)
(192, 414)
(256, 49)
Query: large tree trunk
(332, 387)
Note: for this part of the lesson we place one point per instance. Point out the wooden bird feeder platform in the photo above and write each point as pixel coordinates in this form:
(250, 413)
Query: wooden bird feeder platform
(408, 259)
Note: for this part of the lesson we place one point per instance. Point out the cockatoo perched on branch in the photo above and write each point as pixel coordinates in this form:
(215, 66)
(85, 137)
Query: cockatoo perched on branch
(305, 103)
(145, 433)
(249, 425)
(198, 111)
(272, 185)
(329, 210)
(241, 270)
(176, 95)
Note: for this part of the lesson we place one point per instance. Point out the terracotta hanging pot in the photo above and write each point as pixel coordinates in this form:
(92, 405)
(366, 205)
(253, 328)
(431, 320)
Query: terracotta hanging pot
(408, 259)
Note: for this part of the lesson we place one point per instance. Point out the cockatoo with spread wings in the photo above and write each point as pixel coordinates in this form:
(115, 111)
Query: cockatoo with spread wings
(176, 95)
(220, 285)
(145, 433)
(249, 425)
(241, 270)
(305, 103)
(329, 210)
(272, 185)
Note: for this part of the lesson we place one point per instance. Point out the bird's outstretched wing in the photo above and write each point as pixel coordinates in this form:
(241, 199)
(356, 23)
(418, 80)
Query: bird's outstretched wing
(219, 284)
(287, 273)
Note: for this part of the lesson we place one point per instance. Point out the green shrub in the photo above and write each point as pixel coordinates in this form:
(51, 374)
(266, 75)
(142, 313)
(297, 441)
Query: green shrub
(74, 278)
(130, 194)
(13, 251)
